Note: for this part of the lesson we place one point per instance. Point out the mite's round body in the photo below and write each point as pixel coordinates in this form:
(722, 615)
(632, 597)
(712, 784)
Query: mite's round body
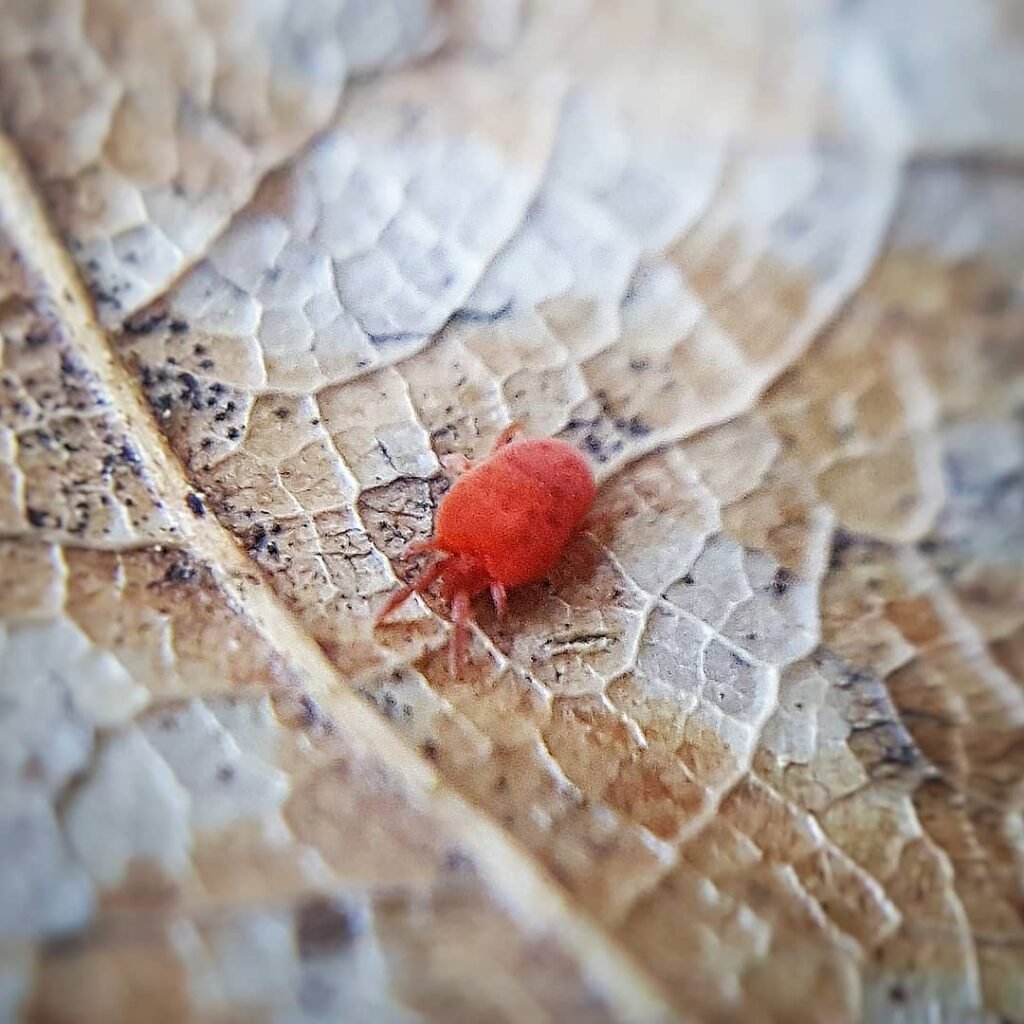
(515, 512)
(505, 522)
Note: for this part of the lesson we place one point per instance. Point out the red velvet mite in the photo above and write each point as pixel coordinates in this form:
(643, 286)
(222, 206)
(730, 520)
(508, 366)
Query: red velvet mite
(504, 522)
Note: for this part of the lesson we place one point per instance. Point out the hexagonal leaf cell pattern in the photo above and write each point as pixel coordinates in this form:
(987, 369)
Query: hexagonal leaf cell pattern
(753, 751)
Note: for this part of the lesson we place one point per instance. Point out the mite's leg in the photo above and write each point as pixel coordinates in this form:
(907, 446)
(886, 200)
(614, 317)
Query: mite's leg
(515, 427)
(461, 618)
(419, 584)
(500, 598)
(455, 464)
(420, 546)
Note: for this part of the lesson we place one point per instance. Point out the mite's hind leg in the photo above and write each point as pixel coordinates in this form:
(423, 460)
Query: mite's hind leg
(420, 546)
(515, 427)
(462, 616)
(455, 464)
(500, 598)
(419, 584)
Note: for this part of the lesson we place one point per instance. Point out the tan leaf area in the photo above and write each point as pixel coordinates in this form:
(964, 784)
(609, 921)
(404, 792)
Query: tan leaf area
(752, 752)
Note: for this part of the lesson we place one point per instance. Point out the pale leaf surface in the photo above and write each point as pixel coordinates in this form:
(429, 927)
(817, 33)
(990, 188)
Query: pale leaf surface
(753, 752)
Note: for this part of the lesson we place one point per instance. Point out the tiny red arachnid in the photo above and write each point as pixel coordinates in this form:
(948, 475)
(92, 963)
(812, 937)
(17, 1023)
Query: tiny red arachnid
(504, 522)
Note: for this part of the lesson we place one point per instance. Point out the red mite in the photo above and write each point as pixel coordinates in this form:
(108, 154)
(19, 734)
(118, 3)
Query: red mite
(504, 522)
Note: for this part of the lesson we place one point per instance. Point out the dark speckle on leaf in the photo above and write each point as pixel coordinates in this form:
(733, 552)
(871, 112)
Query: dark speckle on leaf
(781, 581)
(842, 541)
(179, 572)
(458, 861)
(104, 297)
(637, 427)
(312, 716)
(68, 366)
(324, 926)
(145, 321)
(190, 391)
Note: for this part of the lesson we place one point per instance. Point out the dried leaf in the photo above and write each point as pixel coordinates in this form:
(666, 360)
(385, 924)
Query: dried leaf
(753, 752)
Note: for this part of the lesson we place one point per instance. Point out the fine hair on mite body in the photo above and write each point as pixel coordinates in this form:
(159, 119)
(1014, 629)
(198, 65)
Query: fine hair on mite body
(505, 522)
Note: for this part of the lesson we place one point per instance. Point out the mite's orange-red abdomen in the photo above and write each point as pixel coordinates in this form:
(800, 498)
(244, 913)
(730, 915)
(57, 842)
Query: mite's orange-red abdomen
(502, 524)
(515, 512)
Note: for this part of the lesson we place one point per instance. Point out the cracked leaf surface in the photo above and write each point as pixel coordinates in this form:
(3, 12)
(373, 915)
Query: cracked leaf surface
(752, 751)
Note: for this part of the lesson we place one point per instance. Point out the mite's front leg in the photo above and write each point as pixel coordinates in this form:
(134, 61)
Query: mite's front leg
(462, 616)
(515, 427)
(417, 586)
(500, 598)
